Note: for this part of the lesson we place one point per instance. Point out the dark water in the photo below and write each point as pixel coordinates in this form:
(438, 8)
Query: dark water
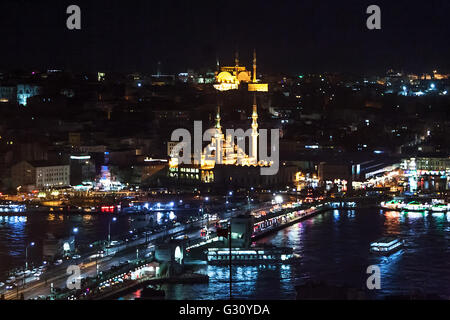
(19, 231)
(334, 247)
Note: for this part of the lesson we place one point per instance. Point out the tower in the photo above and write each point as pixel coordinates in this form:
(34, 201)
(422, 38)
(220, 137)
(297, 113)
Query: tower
(236, 63)
(218, 126)
(254, 146)
(254, 66)
(218, 137)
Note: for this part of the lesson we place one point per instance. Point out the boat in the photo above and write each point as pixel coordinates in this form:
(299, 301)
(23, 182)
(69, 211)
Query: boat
(250, 255)
(415, 206)
(439, 207)
(393, 205)
(387, 245)
(12, 209)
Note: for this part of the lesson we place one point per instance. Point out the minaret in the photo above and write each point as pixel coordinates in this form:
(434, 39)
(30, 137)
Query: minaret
(236, 62)
(254, 65)
(254, 147)
(218, 136)
(218, 126)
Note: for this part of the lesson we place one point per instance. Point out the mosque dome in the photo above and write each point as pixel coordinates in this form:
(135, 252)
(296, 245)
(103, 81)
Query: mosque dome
(225, 77)
(244, 76)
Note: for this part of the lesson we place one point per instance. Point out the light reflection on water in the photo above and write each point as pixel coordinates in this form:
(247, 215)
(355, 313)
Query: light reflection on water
(259, 281)
(334, 247)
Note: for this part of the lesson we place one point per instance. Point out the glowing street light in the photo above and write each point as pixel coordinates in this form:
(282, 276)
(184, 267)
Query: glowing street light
(31, 244)
(114, 219)
(75, 231)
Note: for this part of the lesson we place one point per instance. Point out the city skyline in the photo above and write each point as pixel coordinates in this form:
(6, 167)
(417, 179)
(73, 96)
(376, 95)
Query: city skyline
(226, 151)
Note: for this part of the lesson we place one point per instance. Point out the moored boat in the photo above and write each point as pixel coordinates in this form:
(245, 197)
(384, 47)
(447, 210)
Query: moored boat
(415, 206)
(250, 256)
(12, 209)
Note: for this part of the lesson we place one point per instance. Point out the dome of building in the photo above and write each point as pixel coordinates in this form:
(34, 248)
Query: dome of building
(225, 77)
(244, 77)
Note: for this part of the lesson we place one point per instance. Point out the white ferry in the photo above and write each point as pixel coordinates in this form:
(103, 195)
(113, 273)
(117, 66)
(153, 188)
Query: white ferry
(249, 256)
(386, 245)
(398, 205)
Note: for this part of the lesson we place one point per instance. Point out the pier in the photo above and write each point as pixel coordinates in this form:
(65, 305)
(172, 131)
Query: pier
(268, 224)
(264, 223)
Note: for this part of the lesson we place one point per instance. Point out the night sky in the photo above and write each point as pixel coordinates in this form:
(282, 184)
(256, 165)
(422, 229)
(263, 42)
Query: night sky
(289, 36)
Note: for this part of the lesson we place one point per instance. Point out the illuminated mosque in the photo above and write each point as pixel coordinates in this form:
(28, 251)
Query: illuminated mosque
(230, 77)
(223, 161)
(224, 151)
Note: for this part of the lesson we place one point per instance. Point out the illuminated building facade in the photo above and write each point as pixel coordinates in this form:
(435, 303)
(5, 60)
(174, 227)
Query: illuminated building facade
(19, 93)
(427, 173)
(40, 174)
(224, 150)
(230, 77)
(25, 91)
(225, 163)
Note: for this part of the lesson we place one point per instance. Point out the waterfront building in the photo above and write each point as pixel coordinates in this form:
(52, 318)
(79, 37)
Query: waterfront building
(426, 164)
(337, 174)
(225, 163)
(40, 174)
(427, 172)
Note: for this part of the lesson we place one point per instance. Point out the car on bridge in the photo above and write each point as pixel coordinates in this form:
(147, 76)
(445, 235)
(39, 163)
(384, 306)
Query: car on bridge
(11, 286)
